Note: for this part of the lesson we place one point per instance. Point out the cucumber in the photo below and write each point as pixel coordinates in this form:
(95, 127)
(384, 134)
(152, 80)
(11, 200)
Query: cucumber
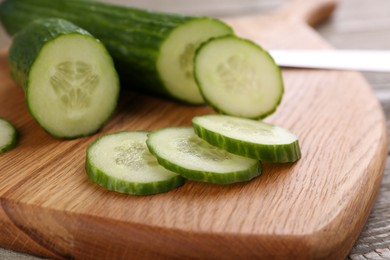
(238, 78)
(69, 78)
(178, 149)
(8, 136)
(153, 51)
(247, 137)
(121, 162)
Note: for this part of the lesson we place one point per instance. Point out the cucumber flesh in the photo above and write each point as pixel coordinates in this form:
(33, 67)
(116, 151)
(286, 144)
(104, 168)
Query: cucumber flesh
(250, 138)
(69, 78)
(8, 136)
(180, 150)
(121, 162)
(175, 63)
(238, 78)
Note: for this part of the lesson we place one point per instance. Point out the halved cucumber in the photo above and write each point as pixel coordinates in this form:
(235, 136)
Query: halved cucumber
(180, 150)
(153, 51)
(121, 162)
(237, 77)
(250, 138)
(69, 78)
(8, 136)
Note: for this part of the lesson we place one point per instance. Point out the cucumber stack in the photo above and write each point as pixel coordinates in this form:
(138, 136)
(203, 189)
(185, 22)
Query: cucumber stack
(219, 149)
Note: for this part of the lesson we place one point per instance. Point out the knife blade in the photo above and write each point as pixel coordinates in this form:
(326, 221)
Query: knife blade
(360, 60)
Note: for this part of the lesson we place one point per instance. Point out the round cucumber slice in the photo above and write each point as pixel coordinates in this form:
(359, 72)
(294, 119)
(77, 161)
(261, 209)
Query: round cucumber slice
(180, 150)
(238, 78)
(8, 136)
(121, 162)
(250, 138)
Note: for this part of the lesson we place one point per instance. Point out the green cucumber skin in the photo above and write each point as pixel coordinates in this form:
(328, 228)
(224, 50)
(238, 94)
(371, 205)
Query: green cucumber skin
(269, 153)
(121, 186)
(132, 36)
(114, 184)
(26, 47)
(211, 103)
(209, 177)
(15, 138)
(28, 44)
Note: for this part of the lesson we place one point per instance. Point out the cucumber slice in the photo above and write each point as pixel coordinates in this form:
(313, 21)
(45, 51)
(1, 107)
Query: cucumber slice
(250, 138)
(237, 77)
(121, 162)
(8, 136)
(180, 150)
(69, 78)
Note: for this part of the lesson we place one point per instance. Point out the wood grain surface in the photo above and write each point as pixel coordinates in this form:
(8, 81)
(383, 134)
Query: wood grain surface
(315, 208)
(363, 24)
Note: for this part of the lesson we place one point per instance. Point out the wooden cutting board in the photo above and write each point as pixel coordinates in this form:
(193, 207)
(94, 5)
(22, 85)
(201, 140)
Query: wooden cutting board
(314, 208)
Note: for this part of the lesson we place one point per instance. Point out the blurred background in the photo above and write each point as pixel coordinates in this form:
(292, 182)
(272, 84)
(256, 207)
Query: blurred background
(216, 8)
(356, 24)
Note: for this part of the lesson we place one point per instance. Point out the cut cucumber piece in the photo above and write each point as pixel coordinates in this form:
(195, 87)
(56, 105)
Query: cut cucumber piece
(238, 78)
(69, 78)
(8, 136)
(179, 149)
(250, 138)
(153, 51)
(175, 62)
(121, 162)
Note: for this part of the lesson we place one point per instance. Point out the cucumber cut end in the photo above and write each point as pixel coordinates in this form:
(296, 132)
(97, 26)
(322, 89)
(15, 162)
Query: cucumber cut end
(8, 136)
(237, 77)
(180, 150)
(72, 87)
(121, 162)
(175, 63)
